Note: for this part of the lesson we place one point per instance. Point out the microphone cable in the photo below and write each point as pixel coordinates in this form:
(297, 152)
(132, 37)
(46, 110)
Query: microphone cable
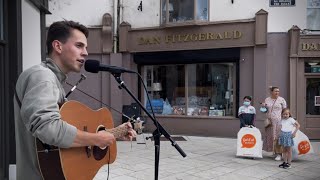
(99, 101)
(145, 88)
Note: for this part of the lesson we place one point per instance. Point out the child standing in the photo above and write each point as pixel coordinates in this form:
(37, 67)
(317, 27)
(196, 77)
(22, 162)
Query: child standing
(247, 113)
(289, 128)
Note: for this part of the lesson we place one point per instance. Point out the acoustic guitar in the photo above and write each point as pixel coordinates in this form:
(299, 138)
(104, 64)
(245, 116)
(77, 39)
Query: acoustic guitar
(80, 163)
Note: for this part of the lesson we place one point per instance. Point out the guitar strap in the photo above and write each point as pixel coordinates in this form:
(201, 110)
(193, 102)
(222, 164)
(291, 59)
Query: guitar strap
(45, 146)
(17, 98)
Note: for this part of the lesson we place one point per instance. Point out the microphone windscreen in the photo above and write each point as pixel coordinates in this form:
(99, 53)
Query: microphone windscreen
(92, 66)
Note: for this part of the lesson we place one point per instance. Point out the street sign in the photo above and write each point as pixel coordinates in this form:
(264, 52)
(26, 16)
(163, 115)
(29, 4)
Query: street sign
(282, 3)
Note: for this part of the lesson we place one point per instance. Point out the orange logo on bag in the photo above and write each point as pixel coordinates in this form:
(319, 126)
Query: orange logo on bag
(303, 147)
(248, 141)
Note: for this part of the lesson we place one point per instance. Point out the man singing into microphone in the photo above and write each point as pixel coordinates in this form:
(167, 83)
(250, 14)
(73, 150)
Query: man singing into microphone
(39, 93)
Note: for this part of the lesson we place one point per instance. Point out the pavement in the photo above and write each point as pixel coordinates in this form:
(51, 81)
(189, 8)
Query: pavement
(208, 158)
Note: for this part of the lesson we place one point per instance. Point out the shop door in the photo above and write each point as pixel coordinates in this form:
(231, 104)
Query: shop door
(312, 108)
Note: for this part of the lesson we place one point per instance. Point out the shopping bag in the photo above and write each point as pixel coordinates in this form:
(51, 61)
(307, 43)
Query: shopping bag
(302, 145)
(249, 142)
(167, 109)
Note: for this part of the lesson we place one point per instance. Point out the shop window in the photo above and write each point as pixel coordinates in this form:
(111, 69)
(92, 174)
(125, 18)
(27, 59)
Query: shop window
(313, 15)
(162, 81)
(178, 11)
(313, 96)
(312, 66)
(192, 90)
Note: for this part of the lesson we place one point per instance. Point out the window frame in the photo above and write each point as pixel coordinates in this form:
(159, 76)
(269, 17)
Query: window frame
(43, 7)
(2, 23)
(309, 8)
(309, 76)
(187, 22)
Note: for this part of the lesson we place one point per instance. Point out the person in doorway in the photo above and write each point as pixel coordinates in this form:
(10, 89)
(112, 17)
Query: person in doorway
(39, 94)
(274, 104)
(247, 113)
(289, 128)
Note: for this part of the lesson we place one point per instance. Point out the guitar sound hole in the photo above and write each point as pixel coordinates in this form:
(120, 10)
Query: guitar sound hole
(99, 153)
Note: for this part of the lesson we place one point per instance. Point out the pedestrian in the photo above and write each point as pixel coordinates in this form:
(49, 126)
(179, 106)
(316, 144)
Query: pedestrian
(289, 128)
(274, 105)
(247, 113)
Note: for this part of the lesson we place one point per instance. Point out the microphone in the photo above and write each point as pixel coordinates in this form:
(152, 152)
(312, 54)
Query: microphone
(94, 66)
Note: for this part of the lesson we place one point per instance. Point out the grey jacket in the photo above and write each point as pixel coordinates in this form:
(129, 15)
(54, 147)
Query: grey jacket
(40, 91)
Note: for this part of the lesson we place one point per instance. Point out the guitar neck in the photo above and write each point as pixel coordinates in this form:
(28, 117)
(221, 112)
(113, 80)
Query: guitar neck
(118, 131)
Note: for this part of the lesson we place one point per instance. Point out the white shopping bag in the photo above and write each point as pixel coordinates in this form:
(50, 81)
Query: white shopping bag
(249, 142)
(301, 146)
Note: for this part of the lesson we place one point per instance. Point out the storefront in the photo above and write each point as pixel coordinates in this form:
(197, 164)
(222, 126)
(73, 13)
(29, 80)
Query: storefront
(305, 80)
(193, 72)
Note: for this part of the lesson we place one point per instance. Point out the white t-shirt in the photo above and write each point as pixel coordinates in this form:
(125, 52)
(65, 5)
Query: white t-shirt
(247, 109)
(287, 125)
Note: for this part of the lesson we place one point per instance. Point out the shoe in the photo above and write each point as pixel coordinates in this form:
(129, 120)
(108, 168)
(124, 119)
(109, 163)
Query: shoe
(287, 166)
(282, 165)
(278, 158)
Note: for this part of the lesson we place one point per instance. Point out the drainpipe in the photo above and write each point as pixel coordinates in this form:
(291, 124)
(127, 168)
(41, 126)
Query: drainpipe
(115, 25)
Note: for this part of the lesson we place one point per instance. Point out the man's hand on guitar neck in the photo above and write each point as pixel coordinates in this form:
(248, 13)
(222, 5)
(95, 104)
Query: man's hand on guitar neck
(131, 132)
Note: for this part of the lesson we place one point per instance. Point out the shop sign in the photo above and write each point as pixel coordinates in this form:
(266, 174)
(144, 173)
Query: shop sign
(280, 3)
(182, 38)
(310, 47)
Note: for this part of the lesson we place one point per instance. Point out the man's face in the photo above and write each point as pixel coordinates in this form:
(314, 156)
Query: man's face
(73, 52)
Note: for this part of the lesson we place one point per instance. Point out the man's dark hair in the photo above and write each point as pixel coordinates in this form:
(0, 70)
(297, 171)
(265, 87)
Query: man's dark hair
(61, 31)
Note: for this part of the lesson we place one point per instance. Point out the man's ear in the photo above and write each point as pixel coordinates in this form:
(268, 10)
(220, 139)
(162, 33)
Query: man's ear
(57, 46)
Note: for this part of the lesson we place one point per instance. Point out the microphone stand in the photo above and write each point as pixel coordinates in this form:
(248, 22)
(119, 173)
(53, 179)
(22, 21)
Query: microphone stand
(156, 133)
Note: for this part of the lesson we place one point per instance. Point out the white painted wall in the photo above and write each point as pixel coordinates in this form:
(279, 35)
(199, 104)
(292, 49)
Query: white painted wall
(31, 35)
(87, 12)
(148, 17)
(280, 19)
(90, 13)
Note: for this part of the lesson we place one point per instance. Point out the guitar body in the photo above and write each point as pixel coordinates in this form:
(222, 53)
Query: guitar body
(81, 163)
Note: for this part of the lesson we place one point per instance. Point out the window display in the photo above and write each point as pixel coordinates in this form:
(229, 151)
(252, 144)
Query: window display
(192, 89)
(313, 96)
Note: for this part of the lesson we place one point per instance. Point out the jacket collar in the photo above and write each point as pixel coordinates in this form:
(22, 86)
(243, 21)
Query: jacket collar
(55, 69)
